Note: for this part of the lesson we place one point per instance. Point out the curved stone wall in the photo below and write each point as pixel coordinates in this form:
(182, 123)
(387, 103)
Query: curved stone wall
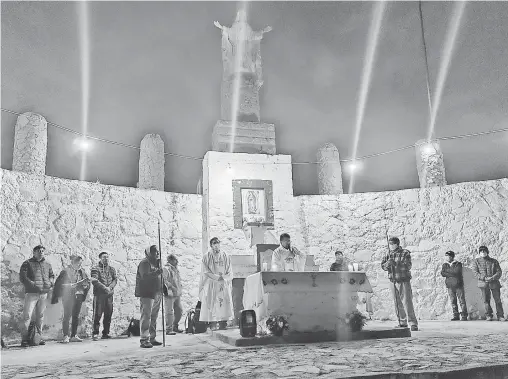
(80, 217)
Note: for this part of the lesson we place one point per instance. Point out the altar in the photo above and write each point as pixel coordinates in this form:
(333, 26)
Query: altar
(311, 301)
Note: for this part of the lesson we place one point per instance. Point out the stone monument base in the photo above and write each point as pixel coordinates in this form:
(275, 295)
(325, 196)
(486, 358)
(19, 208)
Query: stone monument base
(233, 337)
(250, 137)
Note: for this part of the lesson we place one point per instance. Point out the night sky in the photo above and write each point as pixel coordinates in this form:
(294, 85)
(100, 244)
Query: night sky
(156, 68)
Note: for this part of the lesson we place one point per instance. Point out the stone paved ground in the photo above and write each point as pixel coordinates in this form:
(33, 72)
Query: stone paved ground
(438, 346)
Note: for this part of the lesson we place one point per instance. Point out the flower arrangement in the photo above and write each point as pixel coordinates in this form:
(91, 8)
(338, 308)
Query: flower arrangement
(354, 321)
(277, 324)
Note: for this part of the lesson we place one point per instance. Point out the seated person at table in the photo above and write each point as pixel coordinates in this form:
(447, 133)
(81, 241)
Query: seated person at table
(340, 263)
(287, 257)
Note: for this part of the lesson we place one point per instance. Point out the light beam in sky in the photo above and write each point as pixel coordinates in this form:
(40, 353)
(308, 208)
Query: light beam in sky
(84, 49)
(372, 42)
(446, 54)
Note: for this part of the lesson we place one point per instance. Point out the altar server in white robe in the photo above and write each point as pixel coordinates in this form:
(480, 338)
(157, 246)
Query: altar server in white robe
(215, 287)
(287, 257)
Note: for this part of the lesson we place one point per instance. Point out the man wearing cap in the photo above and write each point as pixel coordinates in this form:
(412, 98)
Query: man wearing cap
(398, 264)
(149, 291)
(104, 282)
(172, 295)
(37, 277)
(215, 287)
(452, 271)
(488, 272)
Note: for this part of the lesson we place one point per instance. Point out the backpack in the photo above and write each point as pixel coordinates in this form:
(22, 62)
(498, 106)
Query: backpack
(133, 329)
(192, 323)
(34, 334)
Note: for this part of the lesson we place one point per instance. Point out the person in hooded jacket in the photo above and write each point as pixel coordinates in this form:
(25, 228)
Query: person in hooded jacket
(452, 271)
(36, 275)
(149, 291)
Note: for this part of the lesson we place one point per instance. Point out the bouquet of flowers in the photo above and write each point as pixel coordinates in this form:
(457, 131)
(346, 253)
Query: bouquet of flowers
(277, 324)
(355, 321)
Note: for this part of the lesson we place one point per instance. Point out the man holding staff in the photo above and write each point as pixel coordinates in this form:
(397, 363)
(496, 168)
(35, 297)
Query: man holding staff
(149, 290)
(398, 264)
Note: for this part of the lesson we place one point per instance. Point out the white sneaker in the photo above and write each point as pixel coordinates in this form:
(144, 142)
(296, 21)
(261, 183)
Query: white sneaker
(95, 337)
(76, 339)
(66, 339)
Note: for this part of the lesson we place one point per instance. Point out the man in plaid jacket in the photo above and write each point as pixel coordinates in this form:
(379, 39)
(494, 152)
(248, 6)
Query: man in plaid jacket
(398, 264)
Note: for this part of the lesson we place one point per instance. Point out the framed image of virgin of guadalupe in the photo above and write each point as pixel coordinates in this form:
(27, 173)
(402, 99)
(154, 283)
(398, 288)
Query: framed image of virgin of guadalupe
(253, 203)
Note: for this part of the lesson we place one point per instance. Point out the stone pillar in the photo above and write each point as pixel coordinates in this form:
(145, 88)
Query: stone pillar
(30, 144)
(329, 170)
(430, 164)
(151, 163)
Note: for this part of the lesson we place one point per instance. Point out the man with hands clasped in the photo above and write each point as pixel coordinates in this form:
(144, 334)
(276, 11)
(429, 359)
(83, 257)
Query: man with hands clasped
(488, 272)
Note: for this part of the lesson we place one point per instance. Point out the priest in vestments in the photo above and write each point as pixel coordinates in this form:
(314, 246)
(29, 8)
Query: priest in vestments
(287, 257)
(215, 287)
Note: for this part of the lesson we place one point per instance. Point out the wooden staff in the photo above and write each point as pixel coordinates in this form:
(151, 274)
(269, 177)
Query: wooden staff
(162, 288)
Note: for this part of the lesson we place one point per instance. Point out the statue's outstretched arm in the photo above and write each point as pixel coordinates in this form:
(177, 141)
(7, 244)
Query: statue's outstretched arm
(259, 35)
(217, 24)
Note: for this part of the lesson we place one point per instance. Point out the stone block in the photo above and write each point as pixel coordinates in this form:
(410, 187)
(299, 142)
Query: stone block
(249, 137)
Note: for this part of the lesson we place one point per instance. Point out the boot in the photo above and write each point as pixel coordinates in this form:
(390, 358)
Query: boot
(146, 345)
(455, 318)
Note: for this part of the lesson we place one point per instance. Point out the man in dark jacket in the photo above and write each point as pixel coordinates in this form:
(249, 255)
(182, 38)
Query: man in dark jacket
(398, 264)
(340, 263)
(37, 277)
(452, 271)
(488, 272)
(104, 285)
(149, 291)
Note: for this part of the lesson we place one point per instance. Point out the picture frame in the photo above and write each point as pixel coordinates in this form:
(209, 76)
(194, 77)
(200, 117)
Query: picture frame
(253, 203)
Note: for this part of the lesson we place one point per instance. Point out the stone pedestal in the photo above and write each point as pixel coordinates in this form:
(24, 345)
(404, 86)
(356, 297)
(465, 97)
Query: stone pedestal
(312, 302)
(430, 164)
(30, 144)
(329, 170)
(151, 163)
(248, 98)
(249, 137)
